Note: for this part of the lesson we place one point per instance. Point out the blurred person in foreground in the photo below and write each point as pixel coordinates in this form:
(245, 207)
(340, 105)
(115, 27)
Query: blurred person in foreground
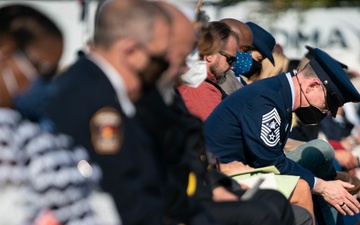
(94, 103)
(193, 185)
(40, 180)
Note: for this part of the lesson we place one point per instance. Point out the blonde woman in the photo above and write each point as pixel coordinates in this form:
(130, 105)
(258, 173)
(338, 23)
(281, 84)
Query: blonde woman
(268, 69)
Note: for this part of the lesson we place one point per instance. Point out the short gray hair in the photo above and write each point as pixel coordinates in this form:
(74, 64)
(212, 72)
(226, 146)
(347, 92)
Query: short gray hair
(117, 19)
(309, 71)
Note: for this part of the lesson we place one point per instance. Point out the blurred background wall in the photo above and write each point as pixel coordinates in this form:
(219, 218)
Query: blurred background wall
(331, 25)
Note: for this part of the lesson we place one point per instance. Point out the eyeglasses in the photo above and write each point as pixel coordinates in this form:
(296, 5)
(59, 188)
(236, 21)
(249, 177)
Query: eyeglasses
(229, 58)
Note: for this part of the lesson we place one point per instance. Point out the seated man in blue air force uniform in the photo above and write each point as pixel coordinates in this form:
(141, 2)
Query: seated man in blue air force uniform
(253, 124)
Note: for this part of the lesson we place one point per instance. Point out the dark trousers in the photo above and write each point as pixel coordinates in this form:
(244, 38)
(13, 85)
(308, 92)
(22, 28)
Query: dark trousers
(267, 207)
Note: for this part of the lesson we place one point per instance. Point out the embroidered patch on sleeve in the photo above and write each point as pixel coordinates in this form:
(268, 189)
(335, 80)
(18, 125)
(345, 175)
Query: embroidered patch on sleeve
(270, 128)
(107, 131)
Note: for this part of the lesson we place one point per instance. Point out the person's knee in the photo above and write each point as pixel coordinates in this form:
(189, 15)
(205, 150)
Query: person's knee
(301, 192)
(302, 197)
(323, 149)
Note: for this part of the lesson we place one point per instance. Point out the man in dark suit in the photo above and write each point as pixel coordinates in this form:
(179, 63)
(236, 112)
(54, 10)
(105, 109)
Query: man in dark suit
(94, 104)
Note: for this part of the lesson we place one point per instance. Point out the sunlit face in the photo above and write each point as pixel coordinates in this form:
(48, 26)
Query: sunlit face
(221, 64)
(182, 44)
(245, 41)
(231, 46)
(151, 62)
(154, 53)
(160, 41)
(218, 70)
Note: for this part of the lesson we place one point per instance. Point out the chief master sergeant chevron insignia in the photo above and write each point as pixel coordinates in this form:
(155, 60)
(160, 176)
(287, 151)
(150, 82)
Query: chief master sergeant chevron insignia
(270, 128)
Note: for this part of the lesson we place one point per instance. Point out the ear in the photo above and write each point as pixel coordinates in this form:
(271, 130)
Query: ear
(129, 45)
(208, 58)
(125, 50)
(313, 85)
(133, 54)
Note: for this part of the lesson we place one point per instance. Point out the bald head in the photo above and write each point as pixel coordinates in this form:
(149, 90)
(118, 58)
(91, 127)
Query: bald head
(182, 28)
(182, 42)
(243, 31)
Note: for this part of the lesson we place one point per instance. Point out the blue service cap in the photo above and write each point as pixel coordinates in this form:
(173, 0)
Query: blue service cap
(339, 89)
(310, 55)
(263, 41)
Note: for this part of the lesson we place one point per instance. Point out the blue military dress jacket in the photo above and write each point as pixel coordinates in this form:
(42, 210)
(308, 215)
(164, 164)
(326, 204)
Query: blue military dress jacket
(86, 107)
(252, 125)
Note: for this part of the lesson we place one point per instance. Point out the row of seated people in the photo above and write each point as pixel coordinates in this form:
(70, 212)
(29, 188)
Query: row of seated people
(145, 159)
(160, 165)
(236, 131)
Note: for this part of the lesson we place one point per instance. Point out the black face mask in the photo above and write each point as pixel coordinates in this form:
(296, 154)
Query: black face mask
(255, 67)
(153, 71)
(309, 115)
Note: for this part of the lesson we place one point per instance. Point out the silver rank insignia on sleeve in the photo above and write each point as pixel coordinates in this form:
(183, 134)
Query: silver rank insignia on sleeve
(107, 131)
(270, 128)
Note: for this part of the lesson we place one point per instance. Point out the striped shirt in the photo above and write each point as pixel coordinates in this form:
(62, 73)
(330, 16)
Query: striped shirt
(55, 175)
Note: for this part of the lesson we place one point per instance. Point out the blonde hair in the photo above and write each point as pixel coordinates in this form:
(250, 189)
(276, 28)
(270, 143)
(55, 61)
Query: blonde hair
(268, 70)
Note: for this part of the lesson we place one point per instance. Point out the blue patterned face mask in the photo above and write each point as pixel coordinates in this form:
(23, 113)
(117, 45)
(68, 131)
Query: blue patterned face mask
(243, 63)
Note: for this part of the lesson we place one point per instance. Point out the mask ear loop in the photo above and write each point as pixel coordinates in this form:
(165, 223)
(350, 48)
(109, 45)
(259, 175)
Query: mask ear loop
(10, 82)
(299, 88)
(25, 66)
